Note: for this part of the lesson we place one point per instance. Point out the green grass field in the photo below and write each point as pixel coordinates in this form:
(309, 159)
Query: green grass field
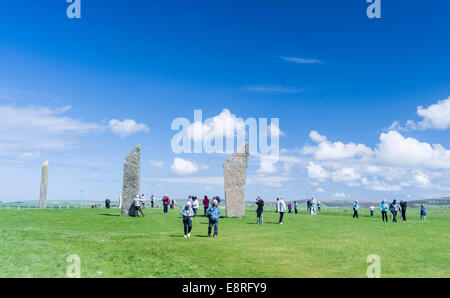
(36, 243)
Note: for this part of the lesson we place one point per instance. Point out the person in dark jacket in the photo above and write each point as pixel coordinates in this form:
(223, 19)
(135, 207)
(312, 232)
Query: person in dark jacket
(107, 203)
(393, 207)
(403, 204)
(213, 212)
(423, 213)
(296, 207)
(166, 203)
(259, 210)
(290, 207)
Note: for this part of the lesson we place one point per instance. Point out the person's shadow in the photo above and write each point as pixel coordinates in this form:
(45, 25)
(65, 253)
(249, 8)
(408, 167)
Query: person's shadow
(104, 214)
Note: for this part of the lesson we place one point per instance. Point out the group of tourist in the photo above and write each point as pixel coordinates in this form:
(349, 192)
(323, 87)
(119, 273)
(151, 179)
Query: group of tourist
(394, 208)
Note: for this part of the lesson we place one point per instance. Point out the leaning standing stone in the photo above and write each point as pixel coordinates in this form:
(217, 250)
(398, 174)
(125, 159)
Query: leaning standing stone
(131, 180)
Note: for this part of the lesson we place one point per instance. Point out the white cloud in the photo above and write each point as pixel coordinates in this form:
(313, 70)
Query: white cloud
(156, 163)
(320, 190)
(30, 155)
(377, 185)
(347, 175)
(210, 180)
(275, 131)
(326, 150)
(183, 167)
(126, 127)
(421, 179)
(317, 172)
(394, 149)
(298, 60)
(436, 116)
(39, 128)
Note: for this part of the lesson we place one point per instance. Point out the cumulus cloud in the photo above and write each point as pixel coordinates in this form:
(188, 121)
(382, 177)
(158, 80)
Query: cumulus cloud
(339, 195)
(347, 175)
(326, 150)
(317, 172)
(182, 167)
(436, 116)
(126, 127)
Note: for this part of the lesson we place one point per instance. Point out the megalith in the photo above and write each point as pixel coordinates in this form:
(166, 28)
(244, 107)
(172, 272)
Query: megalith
(131, 180)
(44, 185)
(235, 175)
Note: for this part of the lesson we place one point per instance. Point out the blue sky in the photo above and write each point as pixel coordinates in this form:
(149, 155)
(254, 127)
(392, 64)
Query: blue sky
(322, 67)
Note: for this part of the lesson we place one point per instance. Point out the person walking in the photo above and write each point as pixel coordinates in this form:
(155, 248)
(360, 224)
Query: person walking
(393, 207)
(259, 210)
(195, 206)
(355, 209)
(403, 204)
(290, 207)
(205, 204)
(371, 210)
(308, 206)
(423, 213)
(187, 213)
(213, 213)
(152, 201)
(384, 207)
(137, 207)
(296, 207)
(281, 209)
(166, 203)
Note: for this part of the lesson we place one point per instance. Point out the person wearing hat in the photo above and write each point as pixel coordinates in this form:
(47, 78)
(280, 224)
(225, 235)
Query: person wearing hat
(187, 214)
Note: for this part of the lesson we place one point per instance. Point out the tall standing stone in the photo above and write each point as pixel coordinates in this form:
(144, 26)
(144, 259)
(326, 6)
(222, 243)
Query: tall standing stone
(234, 168)
(44, 184)
(131, 180)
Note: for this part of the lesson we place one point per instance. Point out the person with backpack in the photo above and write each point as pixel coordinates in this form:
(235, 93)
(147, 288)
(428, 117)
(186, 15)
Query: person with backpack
(213, 213)
(137, 207)
(259, 210)
(187, 213)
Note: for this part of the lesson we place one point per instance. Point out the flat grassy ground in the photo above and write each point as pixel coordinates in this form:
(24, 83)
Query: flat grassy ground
(36, 243)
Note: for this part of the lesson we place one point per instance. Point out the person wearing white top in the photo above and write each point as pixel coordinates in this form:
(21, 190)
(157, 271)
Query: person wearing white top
(281, 209)
(313, 206)
(195, 206)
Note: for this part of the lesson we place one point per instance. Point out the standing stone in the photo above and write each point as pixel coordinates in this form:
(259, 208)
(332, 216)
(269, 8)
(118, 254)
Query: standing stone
(44, 184)
(234, 168)
(131, 180)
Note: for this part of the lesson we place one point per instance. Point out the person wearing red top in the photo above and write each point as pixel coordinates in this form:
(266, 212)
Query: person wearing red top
(166, 203)
(205, 203)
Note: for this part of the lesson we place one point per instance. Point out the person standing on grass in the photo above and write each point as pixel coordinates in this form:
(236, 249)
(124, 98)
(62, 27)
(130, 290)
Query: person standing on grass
(107, 203)
(281, 209)
(308, 205)
(137, 207)
(277, 205)
(259, 210)
(290, 207)
(295, 207)
(384, 207)
(213, 213)
(403, 204)
(394, 209)
(371, 210)
(318, 206)
(195, 206)
(143, 201)
(355, 209)
(152, 201)
(187, 212)
(205, 203)
(166, 203)
(312, 206)
(423, 213)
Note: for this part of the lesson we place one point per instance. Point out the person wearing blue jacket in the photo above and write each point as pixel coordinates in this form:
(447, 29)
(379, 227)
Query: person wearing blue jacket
(384, 207)
(213, 213)
(355, 209)
(393, 207)
(423, 213)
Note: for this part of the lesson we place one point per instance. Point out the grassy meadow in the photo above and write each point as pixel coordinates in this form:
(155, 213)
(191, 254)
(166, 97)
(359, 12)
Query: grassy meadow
(36, 243)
